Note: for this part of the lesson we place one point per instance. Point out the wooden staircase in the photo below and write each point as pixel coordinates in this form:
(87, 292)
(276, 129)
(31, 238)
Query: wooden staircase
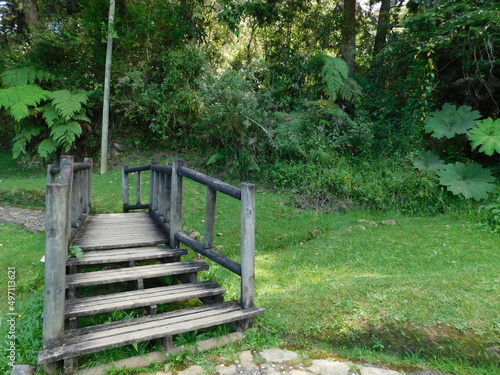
(133, 266)
(128, 264)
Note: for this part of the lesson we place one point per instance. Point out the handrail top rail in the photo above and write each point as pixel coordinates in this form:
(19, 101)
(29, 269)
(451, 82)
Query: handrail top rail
(76, 167)
(199, 177)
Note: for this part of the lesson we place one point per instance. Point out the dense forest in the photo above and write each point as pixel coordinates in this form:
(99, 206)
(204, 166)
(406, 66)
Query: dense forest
(383, 104)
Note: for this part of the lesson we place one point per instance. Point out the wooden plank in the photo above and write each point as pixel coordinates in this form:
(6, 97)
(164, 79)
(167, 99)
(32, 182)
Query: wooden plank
(125, 255)
(107, 231)
(137, 331)
(139, 298)
(133, 273)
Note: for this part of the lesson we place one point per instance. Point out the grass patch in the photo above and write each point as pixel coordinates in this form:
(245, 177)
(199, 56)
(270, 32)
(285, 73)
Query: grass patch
(420, 293)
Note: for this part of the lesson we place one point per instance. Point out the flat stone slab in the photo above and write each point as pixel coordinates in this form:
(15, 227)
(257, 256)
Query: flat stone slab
(325, 367)
(278, 355)
(32, 220)
(377, 371)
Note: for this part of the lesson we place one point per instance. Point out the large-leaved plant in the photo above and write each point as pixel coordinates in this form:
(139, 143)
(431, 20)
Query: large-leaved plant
(469, 180)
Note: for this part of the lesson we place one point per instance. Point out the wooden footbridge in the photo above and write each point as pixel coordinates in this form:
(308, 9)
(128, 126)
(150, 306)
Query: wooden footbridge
(126, 259)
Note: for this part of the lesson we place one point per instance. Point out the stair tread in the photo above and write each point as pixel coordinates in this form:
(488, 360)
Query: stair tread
(139, 298)
(127, 254)
(134, 273)
(91, 339)
(112, 231)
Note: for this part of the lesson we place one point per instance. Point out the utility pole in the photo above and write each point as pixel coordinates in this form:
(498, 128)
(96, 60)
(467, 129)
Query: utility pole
(107, 79)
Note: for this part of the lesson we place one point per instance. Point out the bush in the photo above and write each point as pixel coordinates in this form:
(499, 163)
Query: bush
(341, 182)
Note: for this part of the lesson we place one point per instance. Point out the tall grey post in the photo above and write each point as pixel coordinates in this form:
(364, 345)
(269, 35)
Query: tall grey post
(247, 245)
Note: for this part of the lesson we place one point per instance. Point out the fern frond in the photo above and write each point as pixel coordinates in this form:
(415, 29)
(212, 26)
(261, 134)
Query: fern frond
(50, 115)
(17, 99)
(23, 138)
(47, 148)
(350, 91)
(334, 73)
(24, 76)
(80, 117)
(67, 103)
(65, 134)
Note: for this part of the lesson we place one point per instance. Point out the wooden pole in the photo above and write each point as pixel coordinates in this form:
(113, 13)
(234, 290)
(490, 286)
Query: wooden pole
(56, 247)
(89, 186)
(125, 193)
(68, 160)
(107, 83)
(138, 187)
(208, 236)
(175, 203)
(247, 245)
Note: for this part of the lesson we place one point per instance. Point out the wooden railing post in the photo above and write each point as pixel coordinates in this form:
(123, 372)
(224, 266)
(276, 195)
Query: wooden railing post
(153, 188)
(166, 196)
(88, 186)
(56, 249)
(125, 193)
(175, 203)
(208, 235)
(68, 160)
(247, 245)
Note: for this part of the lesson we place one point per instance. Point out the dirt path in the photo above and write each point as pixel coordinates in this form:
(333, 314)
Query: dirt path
(32, 220)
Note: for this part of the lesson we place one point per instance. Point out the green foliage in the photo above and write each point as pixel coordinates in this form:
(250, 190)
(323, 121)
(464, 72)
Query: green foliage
(450, 121)
(471, 181)
(68, 104)
(75, 252)
(25, 76)
(492, 213)
(486, 135)
(334, 72)
(18, 100)
(62, 112)
(427, 161)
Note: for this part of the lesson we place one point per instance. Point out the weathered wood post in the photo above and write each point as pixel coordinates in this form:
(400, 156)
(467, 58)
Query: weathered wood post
(88, 186)
(153, 188)
(175, 203)
(57, 232)
(66, 176)
(208, 235)
(125, 194)
(247, 245)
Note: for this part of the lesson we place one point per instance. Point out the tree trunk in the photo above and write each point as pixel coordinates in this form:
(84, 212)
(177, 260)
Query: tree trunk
(30, 13)
(349, 47)
(107, 83)
(382, 26)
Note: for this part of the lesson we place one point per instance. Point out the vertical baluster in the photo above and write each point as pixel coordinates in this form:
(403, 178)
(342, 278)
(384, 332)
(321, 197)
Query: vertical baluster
(166, 197)
(208, 236)
(125, 192)
(138, 188)
(175, 203)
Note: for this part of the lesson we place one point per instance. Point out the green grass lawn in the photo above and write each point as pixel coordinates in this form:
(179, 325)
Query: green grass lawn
(421, 292)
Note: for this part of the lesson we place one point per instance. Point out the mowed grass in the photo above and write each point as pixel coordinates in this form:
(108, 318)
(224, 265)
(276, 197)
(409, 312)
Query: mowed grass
(421, 292)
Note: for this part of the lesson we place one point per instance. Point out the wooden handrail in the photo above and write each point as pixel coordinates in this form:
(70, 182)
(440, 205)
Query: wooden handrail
(165, 206)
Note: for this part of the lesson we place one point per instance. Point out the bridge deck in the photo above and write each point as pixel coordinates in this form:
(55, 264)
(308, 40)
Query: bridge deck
(114, 231)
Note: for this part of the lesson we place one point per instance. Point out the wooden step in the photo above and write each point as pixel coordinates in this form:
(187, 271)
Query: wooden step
(96, 338)
(113, 231)
(125, 255)
(133, 273)
(139, 298)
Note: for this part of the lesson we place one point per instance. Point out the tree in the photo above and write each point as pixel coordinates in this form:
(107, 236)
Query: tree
(30, 10)
(382, 26)
(349, 35)
(107, 83)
